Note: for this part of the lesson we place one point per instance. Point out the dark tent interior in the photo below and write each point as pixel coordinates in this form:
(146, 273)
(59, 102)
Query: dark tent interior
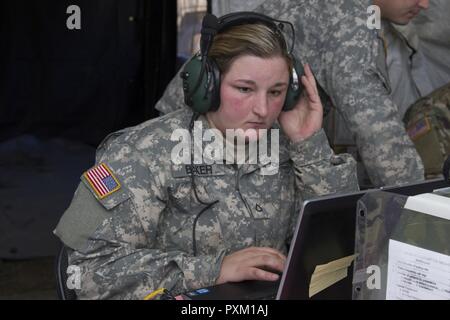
(62, 91)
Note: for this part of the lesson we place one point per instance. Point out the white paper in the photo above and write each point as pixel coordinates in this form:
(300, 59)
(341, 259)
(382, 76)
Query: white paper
(417, 274)
(429, 203)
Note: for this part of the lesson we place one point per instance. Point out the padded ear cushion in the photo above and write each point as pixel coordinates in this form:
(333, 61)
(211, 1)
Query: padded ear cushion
(215, 84)
(295, 88)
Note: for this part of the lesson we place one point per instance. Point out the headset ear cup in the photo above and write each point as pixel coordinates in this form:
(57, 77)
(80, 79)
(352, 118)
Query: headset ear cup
(215, 85)
(295, 88)
(187, 81)
(195, 85)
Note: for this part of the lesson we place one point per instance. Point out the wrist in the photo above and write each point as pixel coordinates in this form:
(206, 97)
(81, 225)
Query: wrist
(313, 149)
(299, 137)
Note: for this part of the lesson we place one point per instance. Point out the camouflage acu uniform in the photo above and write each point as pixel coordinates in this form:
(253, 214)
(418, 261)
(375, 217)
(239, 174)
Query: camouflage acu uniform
(140, 237)
(349, 62)
(428, 124)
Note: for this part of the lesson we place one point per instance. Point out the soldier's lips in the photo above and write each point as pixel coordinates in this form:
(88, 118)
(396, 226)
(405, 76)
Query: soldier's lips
(413, 13)
(256, 125)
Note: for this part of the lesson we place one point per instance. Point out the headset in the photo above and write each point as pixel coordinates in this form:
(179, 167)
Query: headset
(201, 75)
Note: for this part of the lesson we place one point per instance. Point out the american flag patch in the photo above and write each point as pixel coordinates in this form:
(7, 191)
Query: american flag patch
(101, 180)
(419, 128)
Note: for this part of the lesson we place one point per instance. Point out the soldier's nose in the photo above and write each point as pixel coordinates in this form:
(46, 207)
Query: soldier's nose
(424, 4)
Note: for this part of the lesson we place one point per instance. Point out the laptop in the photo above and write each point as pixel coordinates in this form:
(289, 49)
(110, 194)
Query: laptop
(325, 232)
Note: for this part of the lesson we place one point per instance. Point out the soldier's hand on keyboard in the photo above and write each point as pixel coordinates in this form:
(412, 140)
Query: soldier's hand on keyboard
(254, 263)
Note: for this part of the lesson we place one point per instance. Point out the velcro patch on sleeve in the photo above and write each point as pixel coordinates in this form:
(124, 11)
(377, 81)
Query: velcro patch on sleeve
(102, 181)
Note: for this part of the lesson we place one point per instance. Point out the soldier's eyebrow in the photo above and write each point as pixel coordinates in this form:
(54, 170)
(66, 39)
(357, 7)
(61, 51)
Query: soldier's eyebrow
(246, 81)
(251, 82)
(280, 84)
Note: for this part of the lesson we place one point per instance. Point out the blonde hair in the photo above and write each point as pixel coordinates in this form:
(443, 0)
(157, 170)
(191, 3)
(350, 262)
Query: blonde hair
(249, 39)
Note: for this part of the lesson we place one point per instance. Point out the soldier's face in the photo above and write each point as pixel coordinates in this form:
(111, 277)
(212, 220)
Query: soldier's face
(252, 95)
(401, 11)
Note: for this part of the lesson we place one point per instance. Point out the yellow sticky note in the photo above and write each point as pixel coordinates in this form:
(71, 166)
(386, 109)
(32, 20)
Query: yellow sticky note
(335, 265)
(326, 281)
(328, 274)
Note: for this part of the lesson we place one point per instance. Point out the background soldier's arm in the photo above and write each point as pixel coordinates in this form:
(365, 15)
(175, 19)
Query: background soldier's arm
(360, 93)
(173, 97)
(318, 171)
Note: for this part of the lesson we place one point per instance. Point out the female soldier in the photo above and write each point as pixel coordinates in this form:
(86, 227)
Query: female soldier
(139, 221)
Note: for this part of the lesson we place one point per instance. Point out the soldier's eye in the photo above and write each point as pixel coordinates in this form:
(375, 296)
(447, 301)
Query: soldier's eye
(244, 89)
(275, 93)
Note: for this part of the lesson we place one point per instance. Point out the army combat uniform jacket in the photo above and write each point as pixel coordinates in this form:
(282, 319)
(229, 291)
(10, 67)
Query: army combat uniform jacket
(140, 236)
(349, 62)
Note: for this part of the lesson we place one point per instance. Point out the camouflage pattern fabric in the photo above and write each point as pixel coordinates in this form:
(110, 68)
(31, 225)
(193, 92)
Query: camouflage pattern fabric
(428, 124)
(349, 62)
(140, 237)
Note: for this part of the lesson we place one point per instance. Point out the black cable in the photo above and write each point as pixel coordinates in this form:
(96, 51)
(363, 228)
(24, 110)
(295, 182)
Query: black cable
(194, 241)
(194, 187)
(167, 295)
(192, 176)
(191, 124)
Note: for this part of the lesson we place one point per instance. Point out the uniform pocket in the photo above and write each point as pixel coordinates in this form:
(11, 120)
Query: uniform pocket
(177, 223)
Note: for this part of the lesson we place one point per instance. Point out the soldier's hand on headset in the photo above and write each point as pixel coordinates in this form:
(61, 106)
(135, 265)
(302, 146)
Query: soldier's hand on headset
(306, 117)
(254, 263)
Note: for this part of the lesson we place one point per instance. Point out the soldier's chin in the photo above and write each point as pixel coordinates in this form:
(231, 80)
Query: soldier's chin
(252, 135)
(401, 23)
(404, 20)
